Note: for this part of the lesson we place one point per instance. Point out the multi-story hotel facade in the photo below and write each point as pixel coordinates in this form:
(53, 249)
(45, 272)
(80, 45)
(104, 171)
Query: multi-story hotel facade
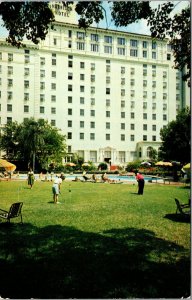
(110, 92)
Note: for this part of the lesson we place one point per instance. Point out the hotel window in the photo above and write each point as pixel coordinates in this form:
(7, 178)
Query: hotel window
(108, 39)
(164, 106)
(69, 33)
(153, 105)
(94, 37)
(108, 68)
(94, 48)
(81, 136)
(121, 41)
(144, 54)
(133, 52)
(154, 138)
(132, 82)
(27, 59)
(121, 51)
(153, 95)
(164, 85)
(82, 88)
(70, 88)
(154, 55)
(53, 98)
(154, 45)
(42, 97)
(164, 74)
(26, 108)
(82, 76)
(92, 90)
(69, 135)
(69, 111)
(80, 35)
(10, 56)
(144, 94)
(53, 74)
(132, 71)
(55, 42)
(132, 104)
(154, 127)
(122, 137)
(9, 107)
(164, 117)
(69, 123)
(122, 104)
(26, 71)
(42, 73)
(132, 137)
(108, 49)
(82, 124)
(0, 55)
(132, 115)
(26, 96)
(144, 83)
(108, 102)
(108, 114)
(132, 126)
(144, 72)
(92, 124)
(164, 96)
(92, 136)
(69, 44)
(122, 114)
(80, 46)
(122, 70)
(154, 73)
(70, 63)
(144, 126)
(26, 84)
(177, 97)
(81, 112)
(82, 100)
(53, 123)
(107, 136)
(168, 56)
(82, 65)
(177, 86)
(123, 126)
(0, 69)
(144, 104)
(53, 86)
(153, 116)
(153, 84)
(54, 62)
(144, 137)
(132, 93)
(107, 91)
(145, 116)
(9, 95)
(108, 79)
(42, 61)
(133, 43)
(145, 44)
(70, 99)
(92, 78)
(107, 125)
(70, 76)
(10, 70)
(92, 113)
(122, 81)
(53, 110)
(92, 66)
(42, 110)
(122, 92)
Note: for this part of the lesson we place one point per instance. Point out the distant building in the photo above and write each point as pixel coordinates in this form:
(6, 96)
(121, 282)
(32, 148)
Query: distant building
(110, 92)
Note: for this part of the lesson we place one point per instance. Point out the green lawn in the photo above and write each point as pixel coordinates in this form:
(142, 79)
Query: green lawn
(102, 241)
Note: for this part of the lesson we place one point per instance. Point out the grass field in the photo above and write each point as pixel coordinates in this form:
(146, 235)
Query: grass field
(102, 241)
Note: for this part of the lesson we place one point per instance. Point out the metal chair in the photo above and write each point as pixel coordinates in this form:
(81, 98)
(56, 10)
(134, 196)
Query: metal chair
(181, 208)
(14, 212)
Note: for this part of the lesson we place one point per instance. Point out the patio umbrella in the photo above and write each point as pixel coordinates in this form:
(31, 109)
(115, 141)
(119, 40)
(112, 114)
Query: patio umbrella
(9, 167)
(70, 164)
(85, 165)
(145, 163)
(164, 164)
(187, 167)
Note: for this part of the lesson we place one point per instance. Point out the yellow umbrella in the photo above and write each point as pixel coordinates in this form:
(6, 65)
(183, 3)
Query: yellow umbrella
(187, 166)
(9, 167)
(163, 164)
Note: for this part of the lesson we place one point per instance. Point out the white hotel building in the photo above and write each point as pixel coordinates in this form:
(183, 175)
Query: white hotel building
(110, 92)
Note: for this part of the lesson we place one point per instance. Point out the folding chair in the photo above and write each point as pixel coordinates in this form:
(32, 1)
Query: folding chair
(14, 212)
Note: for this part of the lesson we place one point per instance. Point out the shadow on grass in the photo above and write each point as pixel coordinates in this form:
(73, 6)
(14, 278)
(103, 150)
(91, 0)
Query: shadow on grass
(178, 218)
(64, 262)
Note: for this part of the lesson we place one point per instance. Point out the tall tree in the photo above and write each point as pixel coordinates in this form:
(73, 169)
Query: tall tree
(176, 138)
(33, 143)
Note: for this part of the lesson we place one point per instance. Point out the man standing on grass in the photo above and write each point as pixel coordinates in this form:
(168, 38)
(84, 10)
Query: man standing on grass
(56, 189)
(141, 183)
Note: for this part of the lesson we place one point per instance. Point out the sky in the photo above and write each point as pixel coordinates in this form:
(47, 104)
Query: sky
(140, 27)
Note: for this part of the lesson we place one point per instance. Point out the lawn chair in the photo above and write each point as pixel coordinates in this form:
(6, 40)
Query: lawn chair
(181, 208)
(14, 212)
